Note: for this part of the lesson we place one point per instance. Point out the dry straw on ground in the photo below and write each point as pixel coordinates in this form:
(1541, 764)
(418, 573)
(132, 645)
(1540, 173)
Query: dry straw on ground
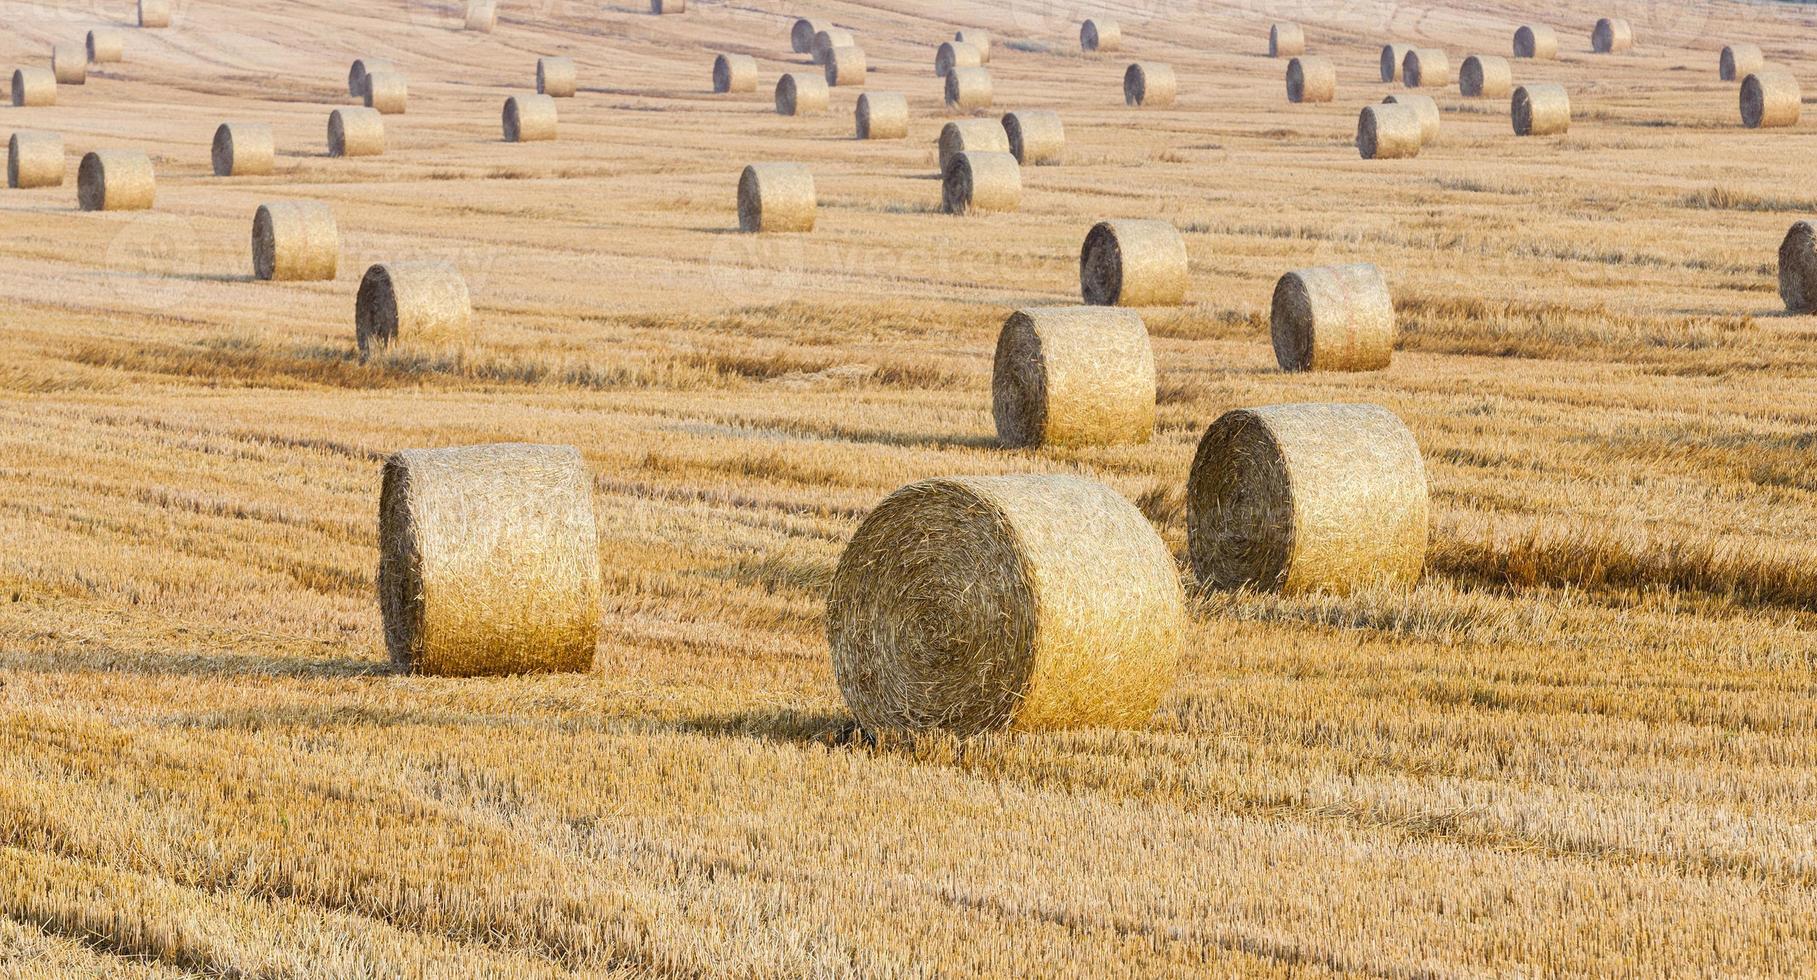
(1388, 132)
(1485, 77)
(956, 54)
(481, 15)
(243, 149)
(1612, 36)
(1426, 68)
(295, 241)
(489, 560)
(1770, 98)
(154, 13)
(1306, 498)
(801, 35)
(556, 77)
(977, 38)
(1393, 55)
(802, 94)
(1311, 79)
(34, 87)
(1148, 83)
(69, 63)
(361, 67)
(968, 89)
(34, 160)
(827, 40)
(881, 116)
(106, 47)
(529, 118)
(421, 305)
(386, 92)
(1798, 268)
(971, 136)
(1423, 106)
(1133, 262)
(1035, 136)
(1333, 318)
(668, 6)
(115, 180)
(1073, 376)
(1536, 41)
(845, 66)
(1100, 35)
(356, 133)
(777, 197)
(1540, 110)
(1286, 40)
(976, 183)
(1029, 603)
(1738, 61)
(734, 73)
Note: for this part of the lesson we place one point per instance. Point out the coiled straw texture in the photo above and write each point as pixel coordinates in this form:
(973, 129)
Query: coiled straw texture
(1139, 262)
(421, 306)
(1073, 376)
(1540, 110)
(1770, 98)
(528, 118)
(1150, 84)
(34, 160)
(1798, 268)
(881, 116)
(776, 197)
(115, 180)
(243, 150)
(971, 136)
(295, 241)
(1035, 136)
(1388, 132)
(556, 77)
(1100, 35)
(1333, 318)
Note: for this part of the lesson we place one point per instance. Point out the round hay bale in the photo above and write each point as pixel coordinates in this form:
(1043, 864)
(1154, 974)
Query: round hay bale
(34, 160)
(1612, 35)
(386, 92)
(1311, 79)
(1770, 98)
(1540, 110)
(977, 38)
(115, 180)
(1307, 498)
(1139, 262)
(956, 54)
(529, 118)
(1147, 83)
(801, 94)
(1536, 41)
(1426, 68)
(243, 150)
(734, 73)
(295, 241)
(356, 74)
(489, 561)
(1423, 106)
(154, 13)
(827, 40)
(1025, 603)
(1485, 77)
(1286, 41)
(976, 183)
(971, 136)
(968, 89)
(34, 87)
(106, 47)
(776, 197)
(1388, 132)
(1101, 35)
(882, 116)
(1073, 376)
(1738, 61)
(1798, 268)
(668, 6)
(801, 36)
(1333, 318)
(845, 66)
(1035, 136)
(557, 79)
(1393, 55)
(424, 305)
(482, 16)
(356, 133)
(69, 64)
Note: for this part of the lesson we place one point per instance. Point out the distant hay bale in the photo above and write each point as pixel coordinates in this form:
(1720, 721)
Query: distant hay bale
(1393, 56)
(489, 561)
(356, 74)
(1333, 318)
(845, 66)
(356, 133)
(115, 180)
(1073, 376)
(106, 47)
(481, 15)
(1798, 268)
(734, 73)
(1149, 84)
(1311, 79)
(154, 13)
(971, 136)
(556, 77)
(1485, 77)
(295, 241)
(34, 87)
(243, 149)
(1426, 68)
(968, 89)
(956, 54)
(801, 94)
(1101, 35)
(828, 39)
(1770, 98)
(1307, 498)
(34, 160)
(386, 92)
(1423, 106)
(69, 63)
(1286, 40)
(422, 305)
(668, 6)
(1388, 132)
(1612, 36)
(977, 38)
(1540, 110)
(529, 118)
(1536, 41)
(1738, 61)
(1138, 262)
(801, 35)
(1035, 136)
(976, 183)
(882, 116)
(776, 197)
(1070, 614)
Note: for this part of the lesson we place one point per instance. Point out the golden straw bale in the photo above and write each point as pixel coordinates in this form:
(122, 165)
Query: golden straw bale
(106, 47)
(968, 89)
(243, 149)
(1393, 56)
(1311, 79)
(975, 183)
(556, 77)
(418, 305)
(1540, 110)
(801, 36)
(801, 94)
(34, 87)
(1333, 318)
(668, 6)
(1307, 498)
(1536, 41)
(34, 160)
(1423, 106)
(115, 180)
(734, 73)
(1027, 603)
(1485, 77)
(356, 133)
(980, 39)
(529, 118)
(827, 40)
(1426, 68)
(1770, 98)
(1140, 262)
(1100, 35)
(154, 13)
(1147, 83)
(956, 54)
(882, 116)
(1738, 61)
(1388, 132)
(361, 67)
(481, 15)
(1073, 376)
(386, 92)
(845, 66)
(69, 63)
(971, 136)
(1612, 36)
(1798, 268)
(1035, 136)
(1286, 40)
(295, 241)
(776, 197)
(489, 560)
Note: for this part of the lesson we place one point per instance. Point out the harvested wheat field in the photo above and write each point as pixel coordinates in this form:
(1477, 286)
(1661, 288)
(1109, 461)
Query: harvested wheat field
(1582, 741)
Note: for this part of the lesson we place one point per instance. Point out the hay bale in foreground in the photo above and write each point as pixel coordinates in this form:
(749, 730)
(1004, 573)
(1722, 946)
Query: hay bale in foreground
(243, 150)
(1073, 376)
(1485, 77)
(1388, 132)
(1536, 41)
(1423, 106)
(361, 67)
(1612, 35)
(386, 92)
(356, 133)
(734, 73)
(557, 79)
(1028, 603)
(827, 40)
(1333, 318)
(845, 66)
(801, 94)
(115, 180)
(1798, 268)
(976, 183)
(1770, 98)
(489, 560)
(34, 87)
(1148, 83)
(882, 116)
(801, 35)
(1286, 40)
(1393, 56)
(154, 13)
(422, 305)
(1540, 110)
(34, 160)
(1100, 35)
(69, 64)
(971, 136)
(529, 118)
(481, 15)
(956, 54)
(1738, 61)
(295, 241)
(968, 89)
(1139, 262)
(977, 38)
(1304, 498)
(1426, 68)
(105, 47)
(1311, 80)
(1035, 136)
(777, 197)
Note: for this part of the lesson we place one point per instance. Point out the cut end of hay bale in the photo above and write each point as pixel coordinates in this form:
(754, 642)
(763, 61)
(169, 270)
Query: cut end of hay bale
(556, 77)
(1306, 498)
(971, 136)
(1073, 376)
(882, 116)
(1426, 68)
(489, 560)
(1798, 268)
(827, 40)
(69, 64)
(1612, 36)
(386, 92)
(801, 94)
(956, 54)
(106, 47)
(734, 73)
(777, 197)
(295, 241)
(1540, 110)
(1770, 98)
(154, 13)
(1140, 262)
(845, 66)
(1286, 41)
(1035, 136)
(356, 133)
(1333, 318)
(980, 604)
(115, 180)
(1388, 132)
(1423, 106)
(1738, 61)
(1485, 77)
(668, 6)
(1536, 41)
(419, 305)
(1149, 84)
(1393, 57)
(1311, 80)
(243, 150)
(361, 67)
(529, 118)
(801, 35)
(34, 87)
(968, 90)
(1100, 35)
(977, 183)
(34, 160)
